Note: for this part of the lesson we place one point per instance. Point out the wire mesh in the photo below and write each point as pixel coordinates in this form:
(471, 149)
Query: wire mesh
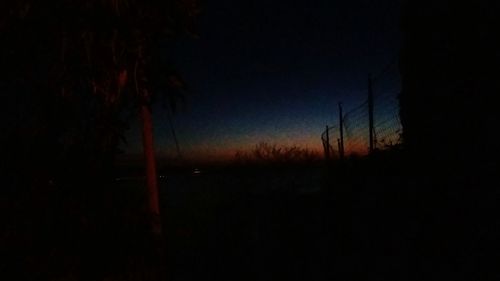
(329, 138)
(387, 127)
(356, 135)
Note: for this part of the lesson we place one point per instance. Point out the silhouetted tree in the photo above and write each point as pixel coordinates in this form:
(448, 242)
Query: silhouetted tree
(76, 67)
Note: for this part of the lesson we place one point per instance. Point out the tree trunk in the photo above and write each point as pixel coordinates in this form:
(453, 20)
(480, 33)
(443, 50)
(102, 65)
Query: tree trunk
(151, 179)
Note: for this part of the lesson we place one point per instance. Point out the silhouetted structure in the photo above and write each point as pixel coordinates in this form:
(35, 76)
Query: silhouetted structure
(448, 114)
(448, 79)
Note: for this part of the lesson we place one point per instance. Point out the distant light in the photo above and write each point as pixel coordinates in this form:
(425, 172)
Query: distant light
(196, 171)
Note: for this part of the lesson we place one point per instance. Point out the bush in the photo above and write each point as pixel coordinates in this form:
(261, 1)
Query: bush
(265, 153)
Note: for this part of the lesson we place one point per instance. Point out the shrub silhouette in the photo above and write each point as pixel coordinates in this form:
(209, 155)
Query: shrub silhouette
(265, 153)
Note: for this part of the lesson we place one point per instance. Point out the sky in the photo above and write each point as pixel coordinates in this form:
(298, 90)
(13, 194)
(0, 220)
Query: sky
(273, 71)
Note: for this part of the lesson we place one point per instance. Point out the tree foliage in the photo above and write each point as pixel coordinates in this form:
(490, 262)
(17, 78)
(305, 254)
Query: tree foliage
(73, 70)
(71, 73)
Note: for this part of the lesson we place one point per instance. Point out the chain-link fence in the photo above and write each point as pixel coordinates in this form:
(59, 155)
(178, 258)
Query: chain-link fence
(356, 136)
(357, 131)
(387, 125)
(331, 142)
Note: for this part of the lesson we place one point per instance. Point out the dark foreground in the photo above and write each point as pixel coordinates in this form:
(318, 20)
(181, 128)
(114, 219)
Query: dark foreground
(369, 219)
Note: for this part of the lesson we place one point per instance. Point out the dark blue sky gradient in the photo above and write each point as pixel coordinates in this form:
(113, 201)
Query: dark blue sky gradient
(274, 71)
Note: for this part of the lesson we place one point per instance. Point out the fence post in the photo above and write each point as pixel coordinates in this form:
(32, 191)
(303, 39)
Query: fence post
(327, 148)
(341, 128)
(370, 113)
(339, 147)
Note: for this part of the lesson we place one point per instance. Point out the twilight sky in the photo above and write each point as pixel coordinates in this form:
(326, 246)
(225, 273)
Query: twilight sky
(273, 71)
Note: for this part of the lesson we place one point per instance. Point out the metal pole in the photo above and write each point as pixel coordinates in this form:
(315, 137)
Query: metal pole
(327, 149)
(341, 127)
(370, 113)
(339, 146)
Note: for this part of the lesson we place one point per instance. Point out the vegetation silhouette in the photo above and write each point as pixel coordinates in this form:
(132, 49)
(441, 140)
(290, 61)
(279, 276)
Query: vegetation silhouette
(423, 210)
(274, 154)
(73, 75)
